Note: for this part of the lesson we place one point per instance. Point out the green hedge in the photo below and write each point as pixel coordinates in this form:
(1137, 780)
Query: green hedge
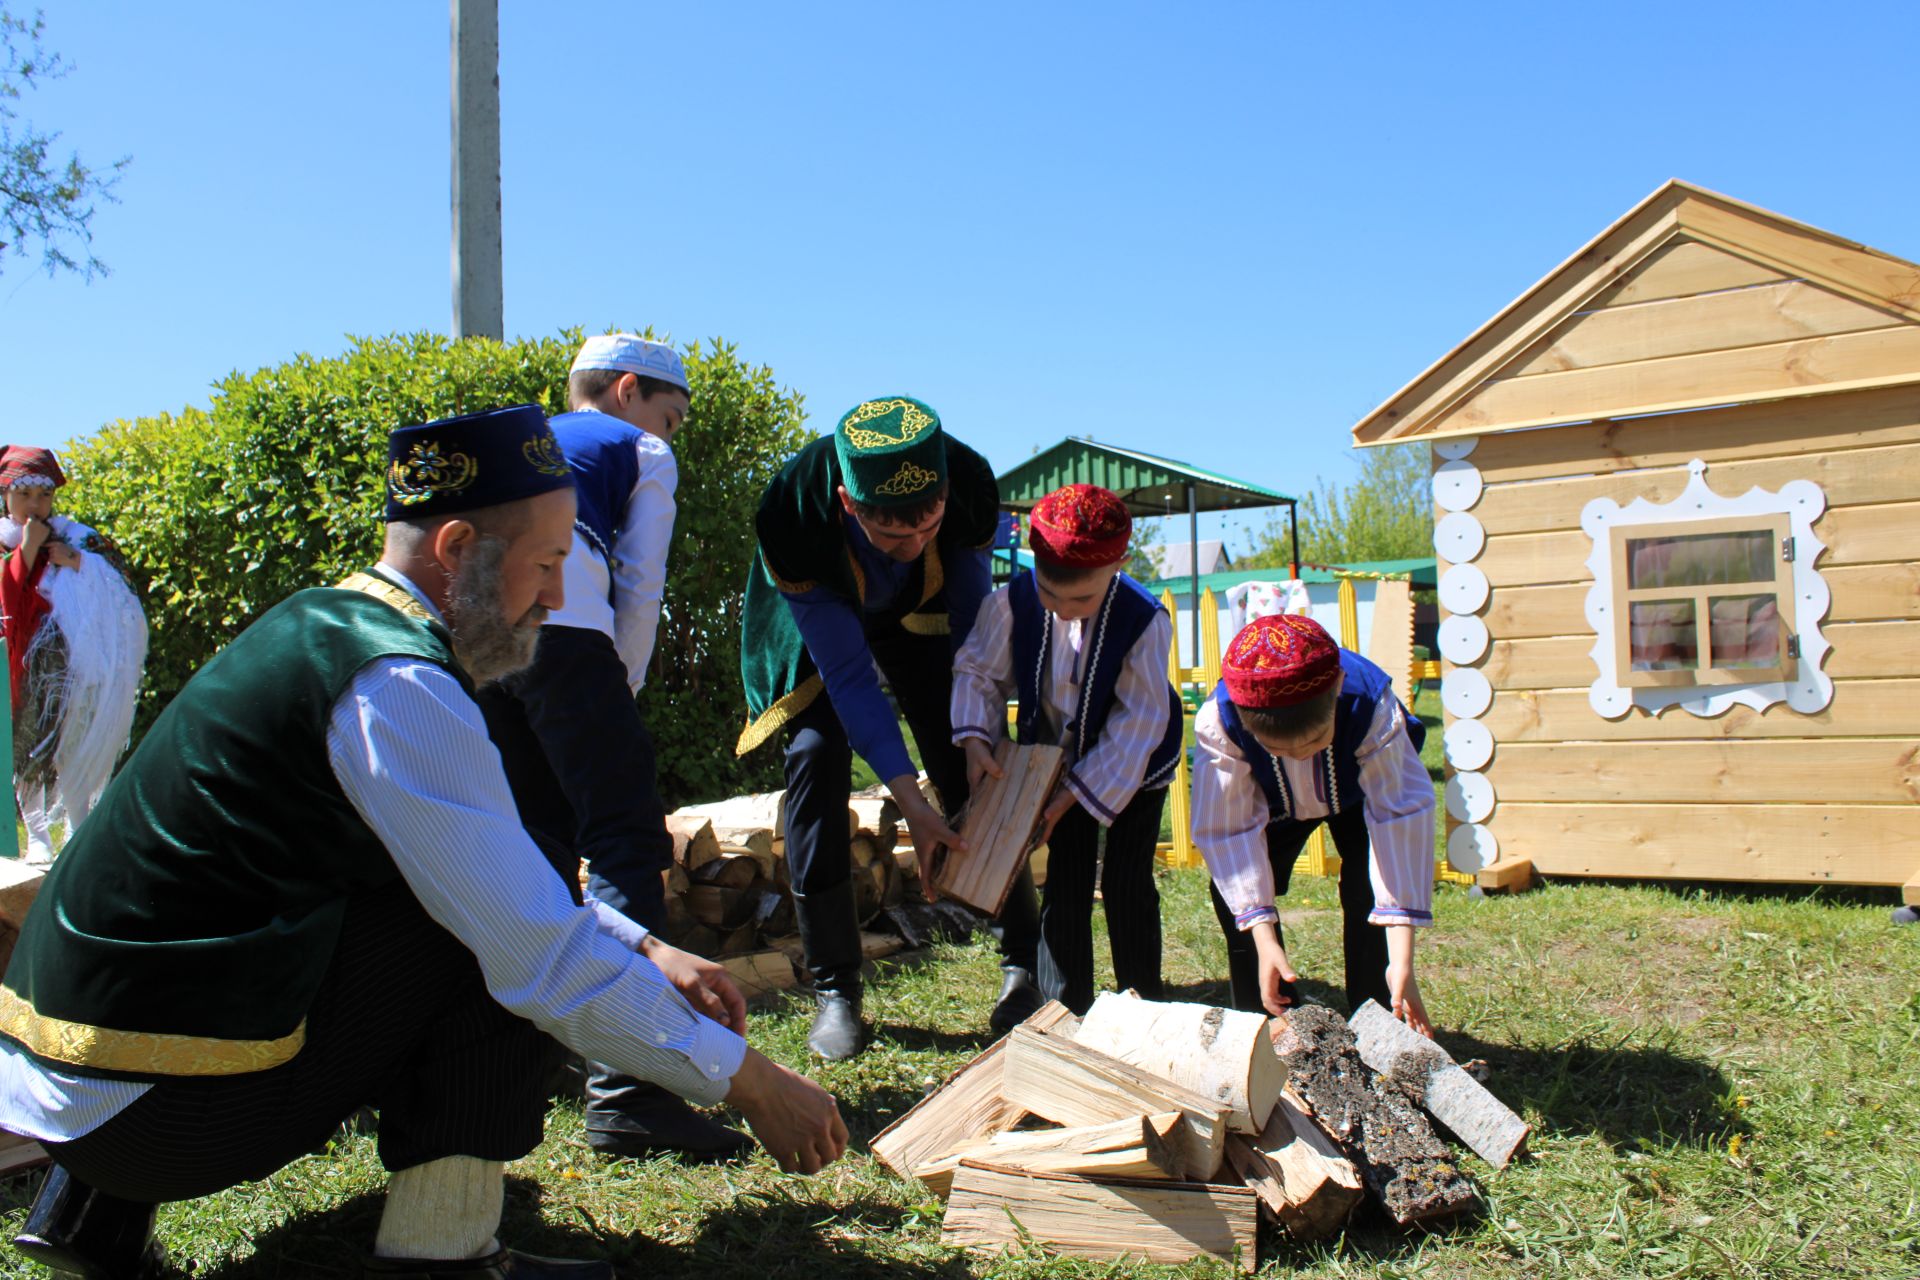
(277, 486)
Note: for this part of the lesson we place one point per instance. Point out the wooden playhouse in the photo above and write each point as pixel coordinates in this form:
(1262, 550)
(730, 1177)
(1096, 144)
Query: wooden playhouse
(1677, 509)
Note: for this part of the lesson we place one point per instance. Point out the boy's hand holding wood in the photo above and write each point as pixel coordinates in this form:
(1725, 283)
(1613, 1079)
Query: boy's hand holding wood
(1277, 978)
(1056, 809)
(1401, 983)
(980, 764)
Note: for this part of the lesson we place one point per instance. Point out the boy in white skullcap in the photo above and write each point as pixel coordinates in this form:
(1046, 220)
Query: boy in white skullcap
(576, 750)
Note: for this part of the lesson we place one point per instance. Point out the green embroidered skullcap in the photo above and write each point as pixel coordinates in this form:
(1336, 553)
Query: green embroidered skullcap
(891, 452)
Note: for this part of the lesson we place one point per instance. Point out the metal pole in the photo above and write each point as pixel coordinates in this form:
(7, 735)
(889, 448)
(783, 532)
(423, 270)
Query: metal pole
(1193, 563)
(478, 309)
(1293, 531)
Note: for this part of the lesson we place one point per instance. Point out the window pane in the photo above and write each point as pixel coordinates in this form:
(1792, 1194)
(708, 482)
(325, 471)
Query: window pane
(1746, 631)
(1662, 636)
(1701, 559)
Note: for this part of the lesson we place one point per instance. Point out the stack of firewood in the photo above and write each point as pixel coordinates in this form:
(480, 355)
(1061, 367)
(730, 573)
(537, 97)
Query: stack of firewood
(1162, 1131)
(730, 896)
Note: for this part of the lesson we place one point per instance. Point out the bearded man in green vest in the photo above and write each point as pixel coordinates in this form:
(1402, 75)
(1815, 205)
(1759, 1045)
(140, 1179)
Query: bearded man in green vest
(307, 891)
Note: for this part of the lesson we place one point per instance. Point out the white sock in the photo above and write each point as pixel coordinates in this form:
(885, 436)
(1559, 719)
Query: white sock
(444, 1209)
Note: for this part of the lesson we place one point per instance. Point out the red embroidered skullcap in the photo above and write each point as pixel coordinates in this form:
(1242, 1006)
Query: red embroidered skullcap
(29, 464)
(1278, 661)
(1080, 525)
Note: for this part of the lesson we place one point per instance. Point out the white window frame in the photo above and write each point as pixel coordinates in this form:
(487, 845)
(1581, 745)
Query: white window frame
(1708, 691)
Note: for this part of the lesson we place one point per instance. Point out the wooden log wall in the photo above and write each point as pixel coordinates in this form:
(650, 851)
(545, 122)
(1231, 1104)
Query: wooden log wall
(1774, 795)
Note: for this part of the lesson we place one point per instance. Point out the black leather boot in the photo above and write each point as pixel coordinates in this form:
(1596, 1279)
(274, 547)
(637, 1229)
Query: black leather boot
(830, 933)
(630, 1117)
(1019, 1000)
(75, 1229)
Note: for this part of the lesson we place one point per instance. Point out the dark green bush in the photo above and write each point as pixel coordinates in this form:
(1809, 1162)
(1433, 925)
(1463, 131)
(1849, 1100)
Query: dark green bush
(277, 486)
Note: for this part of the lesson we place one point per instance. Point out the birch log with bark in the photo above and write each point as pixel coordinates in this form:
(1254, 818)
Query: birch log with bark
(1427, 1074)
(1217, 1053)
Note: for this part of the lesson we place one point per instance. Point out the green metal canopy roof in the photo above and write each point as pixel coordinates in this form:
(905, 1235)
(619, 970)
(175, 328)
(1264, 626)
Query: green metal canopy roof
(1149, 485)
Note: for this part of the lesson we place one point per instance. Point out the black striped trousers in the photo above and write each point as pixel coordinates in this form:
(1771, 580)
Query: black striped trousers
(1364, 945)
(402, 1022)
(1127, 891)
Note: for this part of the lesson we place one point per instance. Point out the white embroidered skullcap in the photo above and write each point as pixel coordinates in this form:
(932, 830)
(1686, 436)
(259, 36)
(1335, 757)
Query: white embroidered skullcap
(629, 353)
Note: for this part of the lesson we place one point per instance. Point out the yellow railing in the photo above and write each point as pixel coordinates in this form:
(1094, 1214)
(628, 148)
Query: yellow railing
(1318, 858)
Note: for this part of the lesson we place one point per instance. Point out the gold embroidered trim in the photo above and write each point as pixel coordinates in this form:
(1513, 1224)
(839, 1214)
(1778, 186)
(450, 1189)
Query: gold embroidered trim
(928, 624)
(386, 593)
(910, 478)
(785, 709)
(935, 576)
(913, 420)
(426, 471)
(543, 455)
(144, 1052)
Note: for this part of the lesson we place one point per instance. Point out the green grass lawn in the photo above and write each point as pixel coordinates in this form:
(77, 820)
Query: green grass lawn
(1721, 1082)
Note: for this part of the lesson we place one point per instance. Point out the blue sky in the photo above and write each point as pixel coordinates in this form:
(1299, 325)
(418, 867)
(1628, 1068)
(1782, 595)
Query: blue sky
(1221, 232)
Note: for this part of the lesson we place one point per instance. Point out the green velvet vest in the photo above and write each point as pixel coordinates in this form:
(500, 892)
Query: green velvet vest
(803, 545)
(186, 927)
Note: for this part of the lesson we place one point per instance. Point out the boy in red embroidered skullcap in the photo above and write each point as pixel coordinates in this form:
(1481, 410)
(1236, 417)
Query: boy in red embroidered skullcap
(1084, 648)
(1301, 731)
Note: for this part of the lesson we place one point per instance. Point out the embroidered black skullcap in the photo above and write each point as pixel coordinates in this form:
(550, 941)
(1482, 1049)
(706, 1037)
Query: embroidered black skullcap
(473, 461)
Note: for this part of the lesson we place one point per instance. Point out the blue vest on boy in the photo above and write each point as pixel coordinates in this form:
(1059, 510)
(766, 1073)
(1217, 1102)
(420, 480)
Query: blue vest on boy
(1339, 770)
(1109, 636)
(604, 453)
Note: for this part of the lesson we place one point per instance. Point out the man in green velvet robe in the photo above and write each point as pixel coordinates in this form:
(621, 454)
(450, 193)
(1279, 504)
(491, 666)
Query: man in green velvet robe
(873, 547)
(308, 891)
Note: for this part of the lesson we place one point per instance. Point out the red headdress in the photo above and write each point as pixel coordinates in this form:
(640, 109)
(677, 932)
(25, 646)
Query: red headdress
(1081, 526)
(1278, 661)
(29, 464)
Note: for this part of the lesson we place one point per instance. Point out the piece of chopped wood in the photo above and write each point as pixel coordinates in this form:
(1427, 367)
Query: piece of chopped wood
(878, 946)
(1508, 875)
(1222, 1054)
(967, 1105)
(694, 844)
(767, 809)
(20, 1154)
(761, 973)
(1404, 1163)
(1427, 1074)
(1137, 1147)
(729, 871)
(992, 1206)
(1298, 1171)
(999, 827)
(722, 909)
(19, 886)
(1060, 1080)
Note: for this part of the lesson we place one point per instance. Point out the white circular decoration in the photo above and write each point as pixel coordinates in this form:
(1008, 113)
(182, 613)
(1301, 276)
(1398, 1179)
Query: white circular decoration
(1469, 744)
(1469, 797)
(1463, 638)
(1465, 692)
(1463, 589)
(1451, 449)
(1457, 485)
(1458, 537)
(1472, 848)
(1608, 700)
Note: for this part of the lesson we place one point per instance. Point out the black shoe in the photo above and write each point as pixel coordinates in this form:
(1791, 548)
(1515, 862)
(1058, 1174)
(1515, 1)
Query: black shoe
(1019, 1000)
(84, 1232)
(656, 1123)
(837, 1031)
(501, 1264)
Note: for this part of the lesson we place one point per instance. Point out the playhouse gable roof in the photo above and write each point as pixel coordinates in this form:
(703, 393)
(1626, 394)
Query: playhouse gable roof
(1693, 299)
